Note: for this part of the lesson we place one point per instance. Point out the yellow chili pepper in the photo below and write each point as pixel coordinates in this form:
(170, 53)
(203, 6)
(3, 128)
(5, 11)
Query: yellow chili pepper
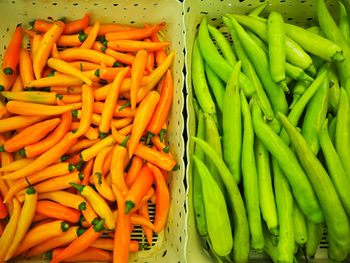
(25, 219)
(98, 204)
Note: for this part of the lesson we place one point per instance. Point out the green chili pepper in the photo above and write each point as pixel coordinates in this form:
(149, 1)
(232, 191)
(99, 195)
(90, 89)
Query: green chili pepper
(216, 85)
(249, 69)
(232, 125)
(266, 194)
(258, 41)
(241, 229)
(296, 73)
(314, 237)
(334, 89)
(298, 109)
(336, 171)
(298, 90)
(331, 129)
(250, 179)
(212, 56)
(212, 137)
(314, 43)
(342, 131)
(260, 61)
(344, 22)
(294, 53)
(218, 221)
(223, 45)
(333, 33)
(257, 11)
(276, 36)
(300, 229)
(315, 115)
(290, 165)
(197, 195)
(336, 218)
(200, 85)
(284, 202)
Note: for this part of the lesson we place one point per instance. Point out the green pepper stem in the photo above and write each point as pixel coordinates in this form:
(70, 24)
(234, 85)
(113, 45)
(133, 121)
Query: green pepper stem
(99, 226)
(128, 206)
(78, 186)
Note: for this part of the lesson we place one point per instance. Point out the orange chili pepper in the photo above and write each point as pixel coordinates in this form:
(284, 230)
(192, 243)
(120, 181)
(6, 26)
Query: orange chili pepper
(118, 112)
(90, 40)
(6, 81)
(101, 185)
(32, 109)
(81, 145)
(59, 182)
(118, 166)
(144, 211)
(134, 170)
(107, 114)
(45, 47)
(126, 130)
(134, 45)
(139, 188)
(105, 28)
(91, 55)
(64, 239)
(110, 73)
(66, 90)
(101, 93)
(142, 117)
(122, 232)
(98, 46)
(89, 254)
(57, 80)
(58, 211)
(162, 199)
(73, 98)
(70, 28)
(161, 159)
(54, 52)
(18, 122)
(25, 67)
(150, 58)
(35, 45)
(70, 40)
(45, 159)
(81, 243)
(120, 57)
(137, 69)
(3, 209)
(84, 65)
(155, 76)
(161, 146)
(86, 171)
(91, 152)
(136, 34)
(11, 56)
(87, 110)
(30, 33)
(17, 85)
(41, 233)
(160, 54)
(3, 111)
(29, 135)
(38, 148)
(49, 172)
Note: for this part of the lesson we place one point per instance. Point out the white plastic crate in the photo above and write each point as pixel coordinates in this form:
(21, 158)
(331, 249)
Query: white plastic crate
(169, 244)
(299, 12)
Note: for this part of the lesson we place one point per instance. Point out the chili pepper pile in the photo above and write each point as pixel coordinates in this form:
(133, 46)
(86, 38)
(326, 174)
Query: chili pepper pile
(83, 145)
(271, 163)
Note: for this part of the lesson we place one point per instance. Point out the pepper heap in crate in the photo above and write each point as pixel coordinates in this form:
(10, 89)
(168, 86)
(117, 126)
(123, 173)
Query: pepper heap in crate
(83, 140)
(293, 184)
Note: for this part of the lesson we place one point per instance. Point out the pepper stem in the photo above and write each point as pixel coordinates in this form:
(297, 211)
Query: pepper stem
(78, 186)
(31, 189)
(125, 141)
(99, 226)
(128, 206)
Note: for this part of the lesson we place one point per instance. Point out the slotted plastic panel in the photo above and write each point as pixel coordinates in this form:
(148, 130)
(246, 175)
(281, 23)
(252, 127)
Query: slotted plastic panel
(299, 12)
(169, 244)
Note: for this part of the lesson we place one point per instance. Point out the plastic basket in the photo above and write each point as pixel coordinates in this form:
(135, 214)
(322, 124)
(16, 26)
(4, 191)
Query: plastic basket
(168, 246)
(299, 12)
